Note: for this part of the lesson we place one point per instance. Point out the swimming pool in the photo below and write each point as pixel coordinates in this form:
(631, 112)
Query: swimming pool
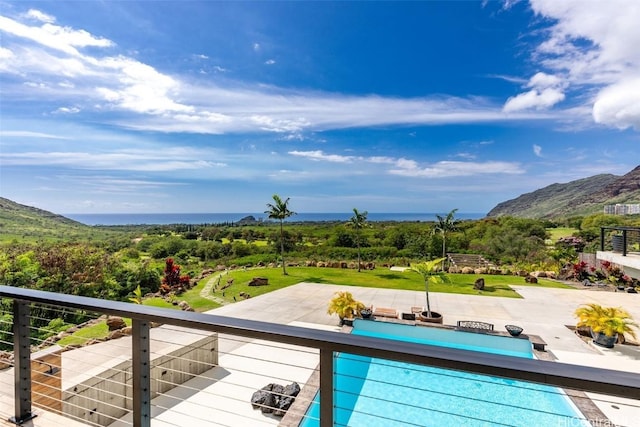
(376, 392)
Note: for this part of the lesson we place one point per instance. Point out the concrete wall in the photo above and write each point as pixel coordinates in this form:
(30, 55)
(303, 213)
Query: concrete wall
(630, 264)
(107, 396)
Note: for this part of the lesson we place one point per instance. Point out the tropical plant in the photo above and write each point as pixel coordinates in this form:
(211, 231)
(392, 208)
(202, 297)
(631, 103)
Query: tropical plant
(279, 210)
(345, 305)
(430, 274)
(445, 225)
(137, 296)
(358, 221)
(610, 321)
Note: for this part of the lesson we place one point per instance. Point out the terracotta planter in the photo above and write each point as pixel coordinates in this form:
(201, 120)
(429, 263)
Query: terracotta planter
(435, 317)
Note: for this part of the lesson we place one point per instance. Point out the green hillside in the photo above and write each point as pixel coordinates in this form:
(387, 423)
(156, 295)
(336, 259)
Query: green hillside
(581, 197)
(28, 223)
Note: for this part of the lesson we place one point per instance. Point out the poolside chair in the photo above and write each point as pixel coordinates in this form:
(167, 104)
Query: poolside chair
(385, 312)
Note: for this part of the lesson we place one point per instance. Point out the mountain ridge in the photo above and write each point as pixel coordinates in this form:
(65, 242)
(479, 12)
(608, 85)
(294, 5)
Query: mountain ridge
(584, 196)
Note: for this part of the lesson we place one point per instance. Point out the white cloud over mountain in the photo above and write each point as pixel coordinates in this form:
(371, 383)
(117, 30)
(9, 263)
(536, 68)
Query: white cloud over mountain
(591, 47)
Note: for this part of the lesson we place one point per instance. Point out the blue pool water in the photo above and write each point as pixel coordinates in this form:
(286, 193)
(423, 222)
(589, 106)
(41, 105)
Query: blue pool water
(376, 392)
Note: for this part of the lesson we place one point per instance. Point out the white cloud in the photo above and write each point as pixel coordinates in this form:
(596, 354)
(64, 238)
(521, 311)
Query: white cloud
(40, 16)
(166, 160)
(544, 81)
(29, 134)
(533, 99)
(270, 61)
(594, 45)
(537, 150)
(174, 104)
(545, 93)
(63, 39)
(618, 105)
(67, 110)
(447, 169)
(468, 156)
(319, 155)
(411, 168)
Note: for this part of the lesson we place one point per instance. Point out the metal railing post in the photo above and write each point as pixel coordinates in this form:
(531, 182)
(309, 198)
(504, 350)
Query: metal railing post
(326, 387)
(602, 239)
(141, 371)
(22, 363)
(624, 242)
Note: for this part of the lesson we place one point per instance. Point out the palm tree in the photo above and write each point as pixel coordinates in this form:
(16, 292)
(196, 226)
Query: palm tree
(446, 225)
(358, 221)
(430, 274)
(280, 210)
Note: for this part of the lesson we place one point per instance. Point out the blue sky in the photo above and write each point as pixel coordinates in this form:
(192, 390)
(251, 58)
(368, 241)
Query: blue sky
(172, 106)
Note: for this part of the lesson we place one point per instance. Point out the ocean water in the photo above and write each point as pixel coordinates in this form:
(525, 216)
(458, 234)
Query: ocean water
(220, 218)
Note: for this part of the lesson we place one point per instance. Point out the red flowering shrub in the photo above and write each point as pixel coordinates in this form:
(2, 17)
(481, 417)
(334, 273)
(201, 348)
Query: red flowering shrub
(582, 271)
(172, 280)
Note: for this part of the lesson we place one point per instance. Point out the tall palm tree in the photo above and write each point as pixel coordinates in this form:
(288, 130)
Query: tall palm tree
(358, 221)
(444, 226)
(279, 210)
(430, 274)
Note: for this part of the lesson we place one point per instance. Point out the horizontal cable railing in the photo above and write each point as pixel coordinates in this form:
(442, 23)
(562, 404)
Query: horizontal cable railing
(203, 369)
(620, 239)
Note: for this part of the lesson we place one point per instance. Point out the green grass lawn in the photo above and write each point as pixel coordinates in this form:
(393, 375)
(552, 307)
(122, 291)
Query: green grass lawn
(82, 336)
(379, 278)
(556, 233)
(192, 297)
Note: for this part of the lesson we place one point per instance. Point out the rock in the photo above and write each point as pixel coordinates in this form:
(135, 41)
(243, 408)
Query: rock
(531, 279)
(259, 281)
(115, 323)
(272, 403)
(286, 400)
(184, 306)
(479, 284)
(6, 360)
(116, 334)
(275, 398)
(259, 398)
(467, 270)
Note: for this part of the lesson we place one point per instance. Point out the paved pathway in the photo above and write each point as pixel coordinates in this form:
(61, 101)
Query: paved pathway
(207, 290)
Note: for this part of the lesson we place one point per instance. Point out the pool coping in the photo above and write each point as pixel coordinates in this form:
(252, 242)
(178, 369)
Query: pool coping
(580, 399)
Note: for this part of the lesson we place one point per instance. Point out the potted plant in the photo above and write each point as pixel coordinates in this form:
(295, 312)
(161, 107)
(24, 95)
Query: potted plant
(366, 313)
(617, 242)
(345, 306)
(430, 274)
(606, 323)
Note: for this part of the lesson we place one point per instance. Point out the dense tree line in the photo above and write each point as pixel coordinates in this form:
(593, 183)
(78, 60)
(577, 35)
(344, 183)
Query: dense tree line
(113, 267)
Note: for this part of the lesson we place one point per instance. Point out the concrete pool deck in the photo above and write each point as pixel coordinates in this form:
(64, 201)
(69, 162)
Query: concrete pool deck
(545, 312)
